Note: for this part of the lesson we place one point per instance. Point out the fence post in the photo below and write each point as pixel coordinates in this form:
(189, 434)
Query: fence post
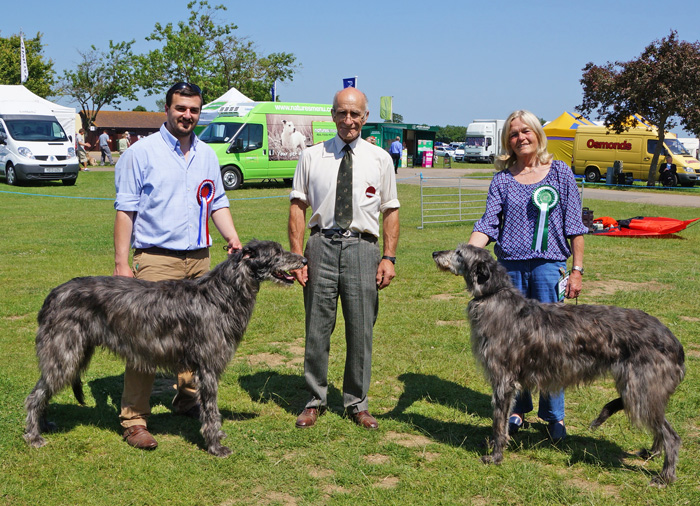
(421, 202)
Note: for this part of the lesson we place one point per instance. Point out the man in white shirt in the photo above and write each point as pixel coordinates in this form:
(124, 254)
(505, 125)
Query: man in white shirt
(344, 261)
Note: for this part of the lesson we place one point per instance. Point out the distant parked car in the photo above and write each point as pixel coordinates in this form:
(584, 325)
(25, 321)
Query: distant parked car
(459, 153)
(445, 151)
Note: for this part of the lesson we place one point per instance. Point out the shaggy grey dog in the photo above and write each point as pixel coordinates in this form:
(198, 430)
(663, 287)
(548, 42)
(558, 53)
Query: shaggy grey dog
(186, 325)
(522, 343)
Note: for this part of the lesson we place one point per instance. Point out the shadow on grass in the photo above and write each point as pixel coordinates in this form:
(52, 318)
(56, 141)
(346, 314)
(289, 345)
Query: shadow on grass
(105, 414)
(430, 388)
(288, 391)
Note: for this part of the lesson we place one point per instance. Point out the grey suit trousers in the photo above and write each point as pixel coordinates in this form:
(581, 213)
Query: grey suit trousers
(346, 268)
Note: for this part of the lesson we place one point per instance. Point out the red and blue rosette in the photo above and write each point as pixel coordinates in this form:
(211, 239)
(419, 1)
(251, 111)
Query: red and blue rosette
(205, 196)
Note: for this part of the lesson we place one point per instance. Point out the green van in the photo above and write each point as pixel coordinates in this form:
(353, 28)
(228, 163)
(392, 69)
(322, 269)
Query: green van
(263, 140)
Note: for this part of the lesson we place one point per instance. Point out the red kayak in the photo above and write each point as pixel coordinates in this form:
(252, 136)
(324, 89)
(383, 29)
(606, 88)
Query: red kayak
(640, 226)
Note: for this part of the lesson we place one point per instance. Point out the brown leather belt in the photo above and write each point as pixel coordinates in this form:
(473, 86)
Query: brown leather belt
(155, 250)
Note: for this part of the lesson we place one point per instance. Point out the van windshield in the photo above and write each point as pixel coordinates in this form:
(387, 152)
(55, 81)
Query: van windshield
(475, 142)
(36, 130)
(672, 145)
(219, 133)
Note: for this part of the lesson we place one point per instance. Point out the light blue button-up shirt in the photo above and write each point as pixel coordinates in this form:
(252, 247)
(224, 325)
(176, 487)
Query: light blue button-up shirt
(170, 195)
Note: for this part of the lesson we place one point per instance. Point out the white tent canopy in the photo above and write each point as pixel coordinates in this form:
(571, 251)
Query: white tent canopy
(16, 99)
(225, 103)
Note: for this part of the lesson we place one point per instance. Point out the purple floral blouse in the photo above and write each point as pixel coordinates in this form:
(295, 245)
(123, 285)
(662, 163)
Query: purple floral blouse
(520, 215)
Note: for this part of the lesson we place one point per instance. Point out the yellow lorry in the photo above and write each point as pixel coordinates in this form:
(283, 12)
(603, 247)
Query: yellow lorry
(596, 148)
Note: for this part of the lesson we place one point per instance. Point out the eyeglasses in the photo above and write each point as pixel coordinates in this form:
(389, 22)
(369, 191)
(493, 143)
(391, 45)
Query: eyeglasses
(184, 86)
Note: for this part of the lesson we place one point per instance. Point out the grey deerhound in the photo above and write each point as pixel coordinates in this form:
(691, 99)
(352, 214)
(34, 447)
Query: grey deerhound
(186, 325)
(522, 343)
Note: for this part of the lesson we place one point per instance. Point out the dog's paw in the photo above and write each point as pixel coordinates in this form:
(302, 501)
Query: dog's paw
(35, 441)
(492, 459)
(220, 451)
(647, 454)
(658, 482)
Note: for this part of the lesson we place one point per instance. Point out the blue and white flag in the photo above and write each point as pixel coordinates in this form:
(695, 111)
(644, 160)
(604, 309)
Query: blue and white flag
(24, 70)
(273, 90)
(350, 82)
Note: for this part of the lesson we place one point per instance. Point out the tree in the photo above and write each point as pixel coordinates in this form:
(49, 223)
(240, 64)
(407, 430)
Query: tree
(451, 133)
(42, 76)
(661, 85)
(395, 118)
(139, 108)
(101, 78)
(205, 52)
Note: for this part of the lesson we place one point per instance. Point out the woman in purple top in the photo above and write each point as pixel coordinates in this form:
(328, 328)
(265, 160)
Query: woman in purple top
(533, 214)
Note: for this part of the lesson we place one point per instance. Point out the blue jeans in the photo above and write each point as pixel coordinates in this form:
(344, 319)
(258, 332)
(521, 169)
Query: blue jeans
(538, 279)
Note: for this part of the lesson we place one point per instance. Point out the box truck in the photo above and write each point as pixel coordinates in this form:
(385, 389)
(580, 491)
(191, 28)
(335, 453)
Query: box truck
(596, 148)
(262, 140)
(483, 142)
(34, 147)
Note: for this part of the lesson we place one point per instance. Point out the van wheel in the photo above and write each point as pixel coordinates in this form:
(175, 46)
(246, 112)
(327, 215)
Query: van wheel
(288, 181)
(232, 177)
(592, 175)
(10, 175)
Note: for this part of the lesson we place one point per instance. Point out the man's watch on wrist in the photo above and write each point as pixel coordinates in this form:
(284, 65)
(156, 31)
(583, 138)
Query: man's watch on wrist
(391, 259)
(577, 268)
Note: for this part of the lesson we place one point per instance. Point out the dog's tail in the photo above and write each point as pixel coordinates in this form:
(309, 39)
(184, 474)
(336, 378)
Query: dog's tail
(77, 383)
(78, 390)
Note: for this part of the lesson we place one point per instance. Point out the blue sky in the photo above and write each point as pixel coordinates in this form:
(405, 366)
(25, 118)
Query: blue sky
(445, 62)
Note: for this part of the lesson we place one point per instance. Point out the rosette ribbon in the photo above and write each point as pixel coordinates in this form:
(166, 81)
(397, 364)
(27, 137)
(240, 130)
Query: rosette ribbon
(545, 198)
(205, 196)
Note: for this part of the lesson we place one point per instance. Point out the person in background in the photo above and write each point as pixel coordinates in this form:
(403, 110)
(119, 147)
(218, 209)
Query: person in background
(122, 143)
(534, 215)
(168, 186)
(395, 151)
(347, 182)
(104, 148)
(82, 149)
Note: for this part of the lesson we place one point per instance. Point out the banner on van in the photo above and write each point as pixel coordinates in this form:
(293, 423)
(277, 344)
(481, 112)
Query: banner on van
(290, 134)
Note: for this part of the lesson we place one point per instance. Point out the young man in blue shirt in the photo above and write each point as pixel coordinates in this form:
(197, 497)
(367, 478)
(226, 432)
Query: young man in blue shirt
(167, 186)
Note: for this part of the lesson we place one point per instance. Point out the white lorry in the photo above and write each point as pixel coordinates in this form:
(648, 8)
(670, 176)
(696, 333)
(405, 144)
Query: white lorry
(483, 140)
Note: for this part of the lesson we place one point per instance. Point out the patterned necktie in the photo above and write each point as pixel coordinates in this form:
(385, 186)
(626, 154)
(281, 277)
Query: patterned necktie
(343, 191)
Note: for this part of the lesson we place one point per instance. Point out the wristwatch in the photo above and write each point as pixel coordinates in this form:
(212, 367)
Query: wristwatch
(577, 268)
(391, 259)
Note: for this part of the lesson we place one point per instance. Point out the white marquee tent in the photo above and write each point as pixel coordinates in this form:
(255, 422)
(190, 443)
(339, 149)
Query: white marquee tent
(16, 99)
(227, 102)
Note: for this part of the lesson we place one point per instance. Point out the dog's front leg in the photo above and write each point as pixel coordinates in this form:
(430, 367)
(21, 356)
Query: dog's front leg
(209, 414)
(501, 400)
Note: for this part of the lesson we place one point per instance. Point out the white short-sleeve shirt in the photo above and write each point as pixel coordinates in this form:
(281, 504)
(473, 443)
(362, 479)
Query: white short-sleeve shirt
(373, 183)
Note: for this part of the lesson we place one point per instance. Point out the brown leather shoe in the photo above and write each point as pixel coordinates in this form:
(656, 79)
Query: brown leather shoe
(308, 417)
(139, 437)
(364, 419)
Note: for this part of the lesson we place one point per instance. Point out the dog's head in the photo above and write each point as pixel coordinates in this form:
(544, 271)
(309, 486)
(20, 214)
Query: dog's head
(268, 261)
(481, 272)
(288, 126)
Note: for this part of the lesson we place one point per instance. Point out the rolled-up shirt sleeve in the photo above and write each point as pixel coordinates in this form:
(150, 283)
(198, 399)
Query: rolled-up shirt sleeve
(299, 183)
(127, 182)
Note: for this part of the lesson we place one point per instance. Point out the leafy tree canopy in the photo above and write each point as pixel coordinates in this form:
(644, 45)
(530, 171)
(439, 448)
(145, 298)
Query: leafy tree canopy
(42, 76)
(101, 78)
(661, 84)
(206, 52)
(451, 133)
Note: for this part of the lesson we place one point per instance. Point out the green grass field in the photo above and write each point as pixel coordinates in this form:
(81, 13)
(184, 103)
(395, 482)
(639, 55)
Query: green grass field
(432, 403)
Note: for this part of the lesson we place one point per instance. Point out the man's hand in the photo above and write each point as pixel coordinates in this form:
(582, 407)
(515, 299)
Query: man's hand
(385, 273)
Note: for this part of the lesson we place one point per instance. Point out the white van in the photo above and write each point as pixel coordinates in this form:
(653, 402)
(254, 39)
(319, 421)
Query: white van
(35, 147)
